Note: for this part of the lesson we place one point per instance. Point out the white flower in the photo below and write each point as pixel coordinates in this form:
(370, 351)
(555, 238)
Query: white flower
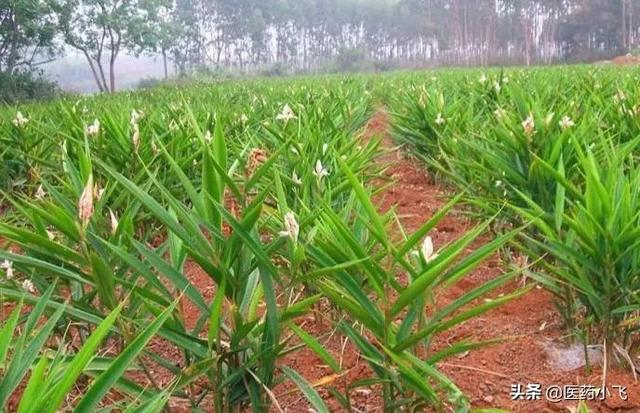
(529, 126)
(296, 180)
(500, 113)
(286, 115)
(136, 116)
(85, 204)
(244, 118)
(497, 86)
(483, 79)
(20, 121)
(566, 123)
(548, 119)
(325, 148)
(207, 137)
(619, 97)
(498, 184)
(427, 250)
(28, 286)
(98, 192)
(7, 266)
(51, 235)
(93, 129)
(114, 221)
(135, 137)
(319, 170)
(440, 120)
(423, 99)
(291, 227)
(40, 193)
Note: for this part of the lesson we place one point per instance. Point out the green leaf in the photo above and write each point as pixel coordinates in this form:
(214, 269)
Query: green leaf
(316, 347)
(309, 392)
(109, 377)
(81, 360)
(6, 333)
(216, 314)
(33, 392)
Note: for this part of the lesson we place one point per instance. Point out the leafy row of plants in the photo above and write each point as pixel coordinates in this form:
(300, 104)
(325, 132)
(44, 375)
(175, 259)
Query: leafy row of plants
(556, 148)
(265, 188)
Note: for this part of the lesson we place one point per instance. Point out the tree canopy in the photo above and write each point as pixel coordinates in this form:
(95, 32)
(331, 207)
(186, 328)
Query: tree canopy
(27, 33)
(305, 34)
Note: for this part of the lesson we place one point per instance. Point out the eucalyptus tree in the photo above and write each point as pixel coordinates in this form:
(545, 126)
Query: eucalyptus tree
(162, 33)
(102, 29)
(596, 28)
(304, 34)
(27, 34)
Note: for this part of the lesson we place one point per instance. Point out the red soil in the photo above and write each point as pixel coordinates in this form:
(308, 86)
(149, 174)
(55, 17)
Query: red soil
(484, 375)
(626, 60)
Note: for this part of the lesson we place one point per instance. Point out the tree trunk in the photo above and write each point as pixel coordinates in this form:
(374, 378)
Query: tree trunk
(631, 29)
(625, 45)
(112, 75)
(102, 75)
(527, 26)
(457, 24)
(164, 63)
(96, 77)
(492, 30)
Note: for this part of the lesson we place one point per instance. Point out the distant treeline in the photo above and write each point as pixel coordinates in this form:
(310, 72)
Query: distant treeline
(304, 35)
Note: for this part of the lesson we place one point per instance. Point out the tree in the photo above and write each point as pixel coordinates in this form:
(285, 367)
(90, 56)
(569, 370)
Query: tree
(162, 34)
(191, 17)
(593, 29)
(102, 29)
(301, 34)
(27, 33)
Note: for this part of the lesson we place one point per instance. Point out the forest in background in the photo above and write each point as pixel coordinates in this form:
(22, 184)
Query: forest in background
(292, 36)
(305, 33)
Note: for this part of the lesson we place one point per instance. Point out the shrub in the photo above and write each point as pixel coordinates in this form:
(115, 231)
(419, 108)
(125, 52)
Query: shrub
(352, 61)
(25, 86)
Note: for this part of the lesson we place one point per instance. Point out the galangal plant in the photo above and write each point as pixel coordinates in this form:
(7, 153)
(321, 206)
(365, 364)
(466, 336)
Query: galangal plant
(590, 248)
(394, 323)
(51, 370)
(105, 232)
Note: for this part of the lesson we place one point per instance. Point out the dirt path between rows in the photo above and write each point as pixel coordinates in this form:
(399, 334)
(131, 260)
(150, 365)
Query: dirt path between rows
(486, 376)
